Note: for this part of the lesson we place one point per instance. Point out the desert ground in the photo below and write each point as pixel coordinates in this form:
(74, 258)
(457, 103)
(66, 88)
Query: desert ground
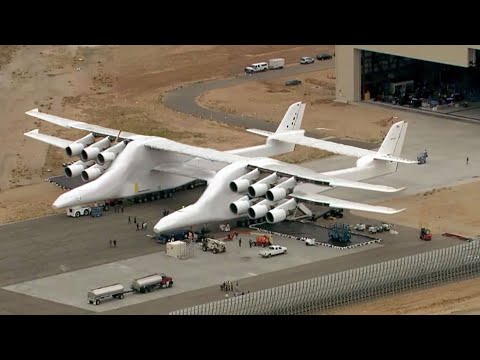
(455, 298)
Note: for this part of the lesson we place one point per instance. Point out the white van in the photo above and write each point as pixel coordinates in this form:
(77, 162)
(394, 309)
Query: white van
(262, 66)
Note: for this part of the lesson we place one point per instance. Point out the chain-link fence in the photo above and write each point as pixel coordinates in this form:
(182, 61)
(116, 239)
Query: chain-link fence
(352, 286)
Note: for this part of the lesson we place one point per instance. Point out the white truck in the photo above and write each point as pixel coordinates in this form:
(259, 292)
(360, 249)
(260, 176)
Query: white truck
(273, 250)
(77, 211)
(277, 63)
(257, 67)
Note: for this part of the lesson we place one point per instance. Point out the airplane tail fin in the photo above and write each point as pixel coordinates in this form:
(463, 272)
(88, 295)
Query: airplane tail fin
(292, 120)
(393, 142)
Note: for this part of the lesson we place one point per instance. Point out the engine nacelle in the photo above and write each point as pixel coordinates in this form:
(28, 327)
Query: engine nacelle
(257, 190)
(93, 173)
(240, 185)
(76, 147)
(258, 211)
(243, 182)
(261, 187)
(76, 168)
(110, 154)
(104, 157)
(280, 191)
(91, 152)
(276, 215)
(280, 212)
(240, 207)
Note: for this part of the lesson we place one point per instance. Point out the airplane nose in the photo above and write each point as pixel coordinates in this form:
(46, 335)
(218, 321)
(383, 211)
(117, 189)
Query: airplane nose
(176, 220)
(73, 197)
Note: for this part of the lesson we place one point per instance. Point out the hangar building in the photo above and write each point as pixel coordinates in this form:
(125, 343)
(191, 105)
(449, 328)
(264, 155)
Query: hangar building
(431, 77)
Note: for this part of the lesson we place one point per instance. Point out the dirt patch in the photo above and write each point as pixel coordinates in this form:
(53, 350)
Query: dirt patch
(6, 54)
(269, 99)
(463, 296)
(26, 202)
(452, 209)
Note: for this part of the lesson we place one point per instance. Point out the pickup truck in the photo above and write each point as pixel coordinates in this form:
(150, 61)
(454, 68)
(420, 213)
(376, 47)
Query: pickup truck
(273, 250)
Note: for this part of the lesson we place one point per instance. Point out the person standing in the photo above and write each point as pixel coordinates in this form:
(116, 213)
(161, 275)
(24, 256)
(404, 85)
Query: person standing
(129, 220)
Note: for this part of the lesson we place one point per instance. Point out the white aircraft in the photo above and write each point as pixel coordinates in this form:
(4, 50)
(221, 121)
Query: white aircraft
(124, 165)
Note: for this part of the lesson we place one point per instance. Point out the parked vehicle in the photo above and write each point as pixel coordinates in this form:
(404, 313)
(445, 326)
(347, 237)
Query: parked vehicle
(151, 282)
(116, 291)
(273, 250)
(274, 64)
(324, 56)
(360, 227)
(262, 240)
(307, 60)
(293, 82)
(310, 242)
(213, 245)
(254, 68)
(77, 211)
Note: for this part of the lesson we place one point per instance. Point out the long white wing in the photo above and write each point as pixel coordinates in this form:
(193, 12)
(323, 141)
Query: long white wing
(343, 204)
(73, 124)
(52, 140)
(303, 174)
(281, 168)
(194, 151)
(297, 137)
(186, 170)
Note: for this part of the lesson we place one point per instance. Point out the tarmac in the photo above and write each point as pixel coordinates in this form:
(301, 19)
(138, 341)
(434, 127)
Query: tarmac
(203, 269)
(42, 253)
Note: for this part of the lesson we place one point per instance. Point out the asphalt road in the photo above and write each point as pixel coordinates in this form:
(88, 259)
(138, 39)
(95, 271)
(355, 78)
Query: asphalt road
(183, 98)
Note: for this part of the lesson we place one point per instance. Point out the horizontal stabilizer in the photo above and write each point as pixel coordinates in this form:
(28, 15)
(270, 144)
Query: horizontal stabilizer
(394, 159)
(52, 140)
(343, 204)
(260, 132)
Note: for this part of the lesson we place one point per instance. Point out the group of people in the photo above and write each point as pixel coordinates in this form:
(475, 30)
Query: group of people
(143, 224)
(228, 286)
(118, 208)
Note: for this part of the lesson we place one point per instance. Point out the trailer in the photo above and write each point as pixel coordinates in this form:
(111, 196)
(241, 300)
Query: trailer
(151, 282)
(115, 291)
(278, 63)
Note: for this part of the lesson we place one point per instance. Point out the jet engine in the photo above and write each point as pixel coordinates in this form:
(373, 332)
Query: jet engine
(241, 206)
(111, 153)
(261, 187)
(76, 168)
(280, 212)
(93, 172)
(76, 147)
(243, 182)
(91, 152)
(280, 191)
(260, 209)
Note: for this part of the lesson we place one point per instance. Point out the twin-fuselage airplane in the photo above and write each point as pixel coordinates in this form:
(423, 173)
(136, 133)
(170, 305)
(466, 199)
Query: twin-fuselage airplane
(244, 182)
